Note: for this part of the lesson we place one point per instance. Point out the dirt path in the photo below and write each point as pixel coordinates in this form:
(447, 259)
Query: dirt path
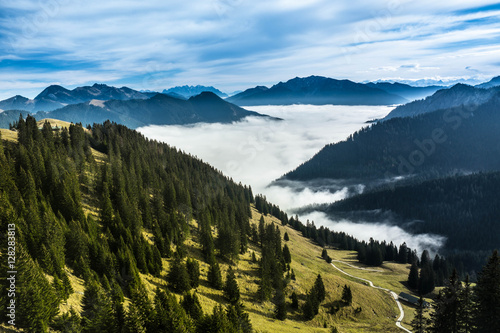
(370, 283)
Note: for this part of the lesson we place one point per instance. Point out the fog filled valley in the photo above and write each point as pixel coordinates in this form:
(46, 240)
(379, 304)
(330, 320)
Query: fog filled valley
(257, 152)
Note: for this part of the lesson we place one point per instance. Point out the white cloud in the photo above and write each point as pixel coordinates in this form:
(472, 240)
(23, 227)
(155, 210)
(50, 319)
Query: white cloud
(258, 151)
(235, 44)
(380, 231)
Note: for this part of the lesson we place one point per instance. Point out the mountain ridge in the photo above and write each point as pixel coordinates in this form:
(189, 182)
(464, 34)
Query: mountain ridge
(317, 90)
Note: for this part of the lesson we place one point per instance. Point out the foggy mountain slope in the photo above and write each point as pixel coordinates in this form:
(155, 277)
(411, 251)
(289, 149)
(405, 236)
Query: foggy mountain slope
(316, 90)
(404, 90)
(464, 209)
(461, 139)
(157, 110)
(459, 94)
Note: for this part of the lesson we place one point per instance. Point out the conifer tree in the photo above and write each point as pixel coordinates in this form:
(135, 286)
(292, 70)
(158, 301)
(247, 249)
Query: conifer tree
(413, 276)
(97, 311)
(239, 319)
(286, 254)
(214, 276)
(318, 289)
(347, 295)
(178, 277)
(488, 296)
(285, 237)
(231, 289)
(169, 315)
(192, 306)
(466, 312)
(447, 307)
(193, 269)
(295, 301)
(420, 322)
(426, 280)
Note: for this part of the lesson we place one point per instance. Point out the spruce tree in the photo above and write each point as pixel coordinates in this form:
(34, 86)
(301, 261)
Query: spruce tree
(286, 238)
(420, 322)
(193, 269)
(295, 301)
(286, 254)
(347, 295)
(466, 314)
(231, 289)
(318, 289)
(178, 277)
(426, 280)
(447, 307)
(413, 276)
(488, 296)
(214, 276)
(192, 306)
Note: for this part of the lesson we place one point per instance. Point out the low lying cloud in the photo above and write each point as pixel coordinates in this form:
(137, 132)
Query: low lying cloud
(257, 151)
(380, 231)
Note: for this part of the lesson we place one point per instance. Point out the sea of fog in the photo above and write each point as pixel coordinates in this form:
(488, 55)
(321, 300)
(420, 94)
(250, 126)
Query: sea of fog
(257, 151)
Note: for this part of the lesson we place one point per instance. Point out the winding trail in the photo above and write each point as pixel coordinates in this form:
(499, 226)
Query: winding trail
(370, 283)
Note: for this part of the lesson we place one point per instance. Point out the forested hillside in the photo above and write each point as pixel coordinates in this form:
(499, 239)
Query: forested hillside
(432, 145)
(112, 232)
(80, 200)
(465, 209)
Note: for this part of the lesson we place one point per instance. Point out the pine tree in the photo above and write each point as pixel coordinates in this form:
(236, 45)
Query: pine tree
(193, 269)
(286, 254)
(214, 276)
(97, 311)
(280, 304)
(447, 307)
(169, 315)
(231, 289)
(318, 289)
(192, 306)
(420, 322)
(134, 322)
(285, 237)
(413, 276)
(178, 277)
(347, 295)
(239, 319)
(295, 301)
(466, 312)
(488, 296)
(426, 280)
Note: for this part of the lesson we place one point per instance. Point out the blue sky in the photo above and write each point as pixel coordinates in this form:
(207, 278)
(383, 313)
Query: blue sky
(235, 44)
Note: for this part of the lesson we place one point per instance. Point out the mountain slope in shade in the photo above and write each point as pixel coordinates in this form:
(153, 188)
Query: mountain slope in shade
(431, 145)
(55, 97)
(190, 91)
(316, 90)
(158, 110)
(404, 90)
(494, 82)
(459, 94)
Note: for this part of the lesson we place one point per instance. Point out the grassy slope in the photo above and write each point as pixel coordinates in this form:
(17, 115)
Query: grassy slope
(378, 310)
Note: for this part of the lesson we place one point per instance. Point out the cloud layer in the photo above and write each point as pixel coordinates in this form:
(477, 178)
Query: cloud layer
(258, 151)
(234, 44)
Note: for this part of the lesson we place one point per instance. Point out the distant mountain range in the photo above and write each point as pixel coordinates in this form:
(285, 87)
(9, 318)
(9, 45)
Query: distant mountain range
(316, 90)
(406, 91)
(158, 110)
(55, 97)
(190, 91)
